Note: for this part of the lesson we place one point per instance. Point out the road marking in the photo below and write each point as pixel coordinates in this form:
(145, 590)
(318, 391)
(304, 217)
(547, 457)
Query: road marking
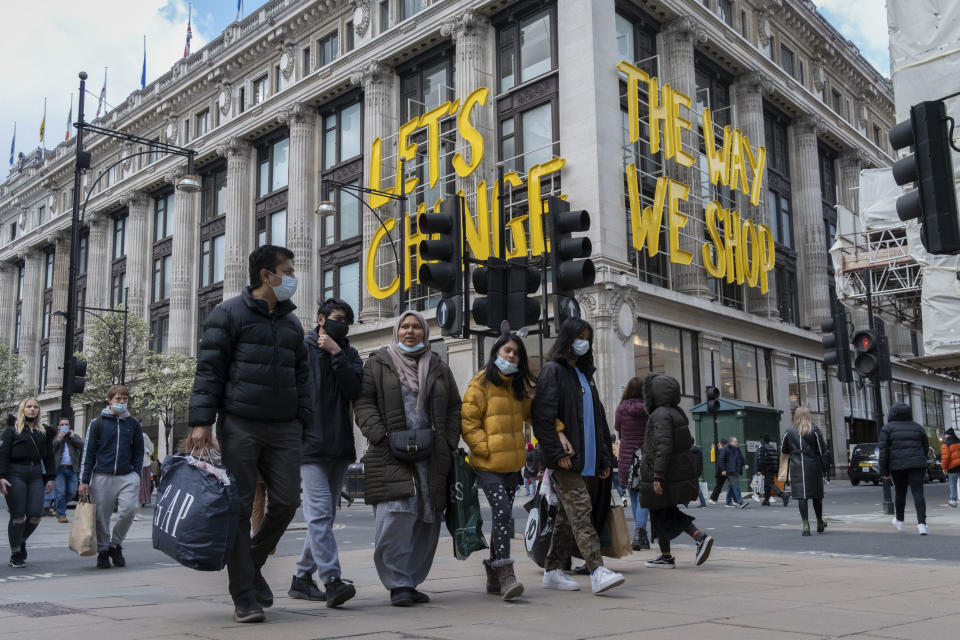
(33, 576)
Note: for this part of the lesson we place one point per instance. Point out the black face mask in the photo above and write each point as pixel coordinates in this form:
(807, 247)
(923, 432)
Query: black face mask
(336, 329)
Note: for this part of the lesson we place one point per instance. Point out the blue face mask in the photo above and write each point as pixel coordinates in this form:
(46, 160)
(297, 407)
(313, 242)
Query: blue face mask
(407, 349)
(506, 367)
(286, 289)
(118, 407)
(580, 347)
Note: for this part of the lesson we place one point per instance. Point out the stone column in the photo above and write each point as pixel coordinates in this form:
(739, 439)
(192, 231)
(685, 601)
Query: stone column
(183, 288)
(593, 175)
(809, 239)
(30, 316)
(748, 92)
(139, 252)
(58, 334)
(379, 85)
(240, 219)
(98, 262)
(8, 302)
(676, 42)
(301, 205)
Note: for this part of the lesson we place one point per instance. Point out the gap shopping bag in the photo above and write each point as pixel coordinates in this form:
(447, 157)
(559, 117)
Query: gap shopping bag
(195, 521)
(463, 508)
(542, 509)
(83, 529)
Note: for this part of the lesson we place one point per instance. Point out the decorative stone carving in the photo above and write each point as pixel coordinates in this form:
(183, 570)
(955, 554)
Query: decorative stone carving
(819, 75)
(463, 23)
(755, 78)
(686, 26)
(361, 16)
(287, 58)
(371, 73)
(170, 131)
(625, 314)
(296, 112)
(764, 30)
(224, 98)
(861, 110)
(135, 198)
(233, 147)
(807, 123)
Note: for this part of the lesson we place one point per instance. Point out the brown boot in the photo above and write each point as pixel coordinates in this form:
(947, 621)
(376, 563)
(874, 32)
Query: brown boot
(493, 583)
(509, 586)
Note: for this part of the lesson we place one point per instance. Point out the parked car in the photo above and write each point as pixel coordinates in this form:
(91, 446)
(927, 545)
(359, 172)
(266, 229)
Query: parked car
(864, 463)
(934, 469)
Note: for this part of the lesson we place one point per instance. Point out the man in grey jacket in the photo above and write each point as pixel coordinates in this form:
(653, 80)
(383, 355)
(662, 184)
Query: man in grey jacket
(67, 451)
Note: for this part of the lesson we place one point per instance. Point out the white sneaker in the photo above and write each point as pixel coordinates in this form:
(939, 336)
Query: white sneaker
(922, 528)
(557, 579)
(898, 524)
(952, 503)
(602, 579)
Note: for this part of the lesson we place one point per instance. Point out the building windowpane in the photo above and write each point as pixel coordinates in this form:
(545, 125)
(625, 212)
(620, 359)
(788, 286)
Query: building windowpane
(330, 141)
(204, 263)
(507, 60)
(351, 132)
(350, 284)
(264, 179)
(281, 163)
(625, 46)
(537, 125)
(278, 228)
(219, 244)
(349, 211)
(535, 46)
(328, 284)
(434, 85)
(329, 49)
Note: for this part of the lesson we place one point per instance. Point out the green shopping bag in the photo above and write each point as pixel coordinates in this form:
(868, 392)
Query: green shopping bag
(463, 508)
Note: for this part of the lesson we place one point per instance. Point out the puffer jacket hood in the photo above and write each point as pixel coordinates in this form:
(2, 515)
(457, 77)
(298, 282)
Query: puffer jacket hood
(660, 391)
(901, 411)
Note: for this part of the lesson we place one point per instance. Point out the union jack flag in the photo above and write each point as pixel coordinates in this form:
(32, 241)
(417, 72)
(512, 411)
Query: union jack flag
(186, 47)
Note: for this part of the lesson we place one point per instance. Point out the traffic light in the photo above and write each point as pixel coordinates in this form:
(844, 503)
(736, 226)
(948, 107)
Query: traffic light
(78, 369)
(490, 282)
(445, 274)
(836, 350)
(713, 400)
(522, 280)
(867, 345)
(934, 200)
(570, 265)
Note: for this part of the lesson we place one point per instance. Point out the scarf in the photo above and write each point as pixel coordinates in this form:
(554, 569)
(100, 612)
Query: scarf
(412, 368)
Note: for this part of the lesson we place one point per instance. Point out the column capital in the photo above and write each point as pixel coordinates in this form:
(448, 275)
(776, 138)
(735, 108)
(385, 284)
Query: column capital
(135, 198)
(175, 173)
(852, 158)
(296, 113)
(755, 80)
(685, 27)
(808, 124)
(6, 267)
(372, 74)
(59, 237)
(467, 23)
(233, 147)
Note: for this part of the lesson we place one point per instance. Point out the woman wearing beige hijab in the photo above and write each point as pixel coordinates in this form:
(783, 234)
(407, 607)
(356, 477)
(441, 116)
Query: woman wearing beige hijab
(409, 411)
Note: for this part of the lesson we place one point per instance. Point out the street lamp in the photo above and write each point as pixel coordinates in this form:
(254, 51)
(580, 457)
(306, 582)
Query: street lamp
(187, 183)
(327, 209)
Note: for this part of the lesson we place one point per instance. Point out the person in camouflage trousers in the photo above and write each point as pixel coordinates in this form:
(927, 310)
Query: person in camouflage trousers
(577, 507)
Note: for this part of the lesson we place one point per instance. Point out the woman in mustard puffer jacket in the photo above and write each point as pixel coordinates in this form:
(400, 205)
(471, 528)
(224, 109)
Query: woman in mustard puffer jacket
(495, 406)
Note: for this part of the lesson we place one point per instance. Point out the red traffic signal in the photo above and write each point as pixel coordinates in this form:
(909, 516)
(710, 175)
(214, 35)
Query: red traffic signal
(866, 343)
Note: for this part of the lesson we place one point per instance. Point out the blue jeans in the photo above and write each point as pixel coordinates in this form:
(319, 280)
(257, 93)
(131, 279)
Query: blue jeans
(321, 484)
(703, 501)
(953, 479)
(65, 487)
(639, 513)
(734, 490)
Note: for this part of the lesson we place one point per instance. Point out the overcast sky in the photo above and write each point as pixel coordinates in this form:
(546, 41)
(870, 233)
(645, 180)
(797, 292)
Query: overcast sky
(49, 41)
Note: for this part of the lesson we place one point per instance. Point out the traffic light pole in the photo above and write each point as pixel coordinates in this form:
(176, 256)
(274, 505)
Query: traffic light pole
(716, 431)
(878, 404)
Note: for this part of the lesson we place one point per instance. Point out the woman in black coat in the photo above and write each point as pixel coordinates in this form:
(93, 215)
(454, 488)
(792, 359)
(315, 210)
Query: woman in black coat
(805, 445)
(903, 457)
(668, 470)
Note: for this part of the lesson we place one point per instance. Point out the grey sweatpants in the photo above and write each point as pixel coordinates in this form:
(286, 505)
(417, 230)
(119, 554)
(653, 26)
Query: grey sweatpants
(404, 546)
(107, 490)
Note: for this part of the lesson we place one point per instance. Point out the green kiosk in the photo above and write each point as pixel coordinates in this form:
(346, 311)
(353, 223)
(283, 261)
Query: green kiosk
(745, 420)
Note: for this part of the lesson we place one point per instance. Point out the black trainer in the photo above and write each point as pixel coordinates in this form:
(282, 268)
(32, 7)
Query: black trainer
(17, 560)
(246, 609)
(305, 589)
(785, 497)
(401, 597)
(103, 560)
(116, 556)
(339, 591)
(704, 544)
(262, 590)
(419, 597)
(662, 562)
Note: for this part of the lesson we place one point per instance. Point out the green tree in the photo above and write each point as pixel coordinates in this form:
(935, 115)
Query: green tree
(10, 367)
(163, 389)
(103, 351)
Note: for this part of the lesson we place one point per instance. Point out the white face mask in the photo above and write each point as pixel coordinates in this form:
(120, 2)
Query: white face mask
(580, 347)
(407, 349)
(286, 288)
(118, 407)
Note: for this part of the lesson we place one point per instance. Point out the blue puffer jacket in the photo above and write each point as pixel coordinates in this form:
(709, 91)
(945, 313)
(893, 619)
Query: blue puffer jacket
(114, 444)
(731, 460)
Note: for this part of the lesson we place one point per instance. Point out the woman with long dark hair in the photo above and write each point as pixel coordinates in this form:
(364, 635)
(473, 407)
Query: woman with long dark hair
(804, 443)
(631, 423)
(495, 406)
(27, 469)
(571, 427)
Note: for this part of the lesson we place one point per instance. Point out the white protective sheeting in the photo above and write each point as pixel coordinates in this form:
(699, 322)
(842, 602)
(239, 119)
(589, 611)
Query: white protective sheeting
(925, 61)
(878, 200)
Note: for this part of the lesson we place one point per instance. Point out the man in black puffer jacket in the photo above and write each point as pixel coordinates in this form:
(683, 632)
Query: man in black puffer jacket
(252, 380)
(903, 457)
(768, 464)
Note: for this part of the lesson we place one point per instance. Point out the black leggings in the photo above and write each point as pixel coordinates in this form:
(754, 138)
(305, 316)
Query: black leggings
(817, 508)
(24, 500)
(664, 542)
(914, 479)
(500, 490)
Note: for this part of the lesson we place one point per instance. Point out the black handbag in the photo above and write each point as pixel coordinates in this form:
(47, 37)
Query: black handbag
(411, 445)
